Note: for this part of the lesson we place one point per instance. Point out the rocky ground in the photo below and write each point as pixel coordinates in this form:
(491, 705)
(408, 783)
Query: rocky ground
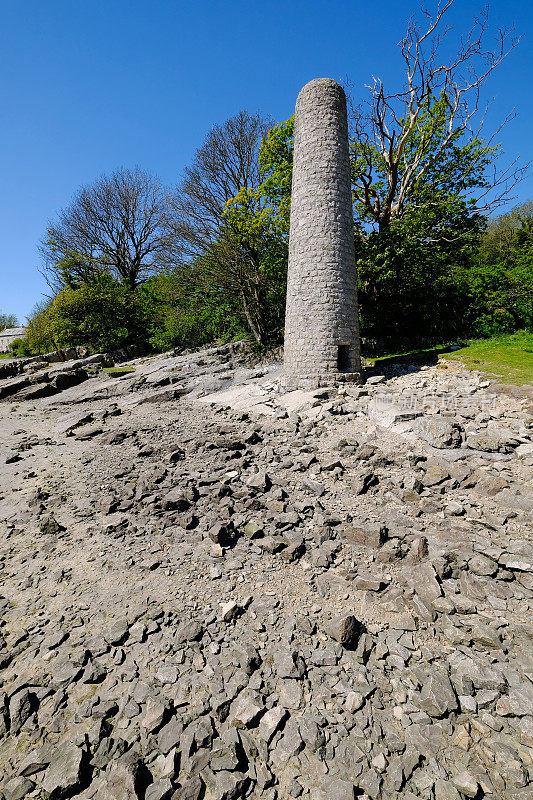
(211, 589)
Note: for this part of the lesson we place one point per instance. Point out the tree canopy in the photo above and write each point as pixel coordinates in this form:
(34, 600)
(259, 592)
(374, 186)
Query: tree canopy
(219, 212)
(7, 321)
(208, 259)
(408, 136)
(120, 226)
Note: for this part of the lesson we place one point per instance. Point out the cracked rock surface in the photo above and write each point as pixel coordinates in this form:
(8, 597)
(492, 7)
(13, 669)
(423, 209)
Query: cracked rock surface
(210, 589)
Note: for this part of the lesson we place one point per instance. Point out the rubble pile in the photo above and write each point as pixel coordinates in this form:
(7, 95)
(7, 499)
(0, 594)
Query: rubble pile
(211, 589)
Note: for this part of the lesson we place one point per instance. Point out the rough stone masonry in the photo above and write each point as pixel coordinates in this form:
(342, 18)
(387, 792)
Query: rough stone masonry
(321, 326)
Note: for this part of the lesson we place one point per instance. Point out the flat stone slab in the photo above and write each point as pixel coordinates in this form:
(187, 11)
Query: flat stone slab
(246, 397)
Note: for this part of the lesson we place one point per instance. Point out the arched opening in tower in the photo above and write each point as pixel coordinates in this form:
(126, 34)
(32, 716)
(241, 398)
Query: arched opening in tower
(344, 360)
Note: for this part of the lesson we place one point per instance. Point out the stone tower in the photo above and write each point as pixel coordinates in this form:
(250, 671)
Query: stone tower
(321, 325)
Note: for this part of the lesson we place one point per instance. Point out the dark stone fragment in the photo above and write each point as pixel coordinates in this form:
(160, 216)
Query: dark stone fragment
(108, 750)
(64, 774)
(125, 778)
(36, 391)
(17, 788)
(169, 735)
(21, 706)
(49, 525)
(189, 631)
(114, 437)
(346, 630)
(175, 500)
(222, 534)
(67, 379)
(371, 534)
(192, 790)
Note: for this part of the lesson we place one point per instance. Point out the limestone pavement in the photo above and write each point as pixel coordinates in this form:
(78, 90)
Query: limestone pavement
(214, 589)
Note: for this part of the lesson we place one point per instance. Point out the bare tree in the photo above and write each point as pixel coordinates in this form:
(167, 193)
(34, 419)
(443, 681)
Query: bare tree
(119, 225)
(409, 137)
(225, 164)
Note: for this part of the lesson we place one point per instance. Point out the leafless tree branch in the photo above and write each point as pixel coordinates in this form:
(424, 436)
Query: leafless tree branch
(120, 225)
(390, 122)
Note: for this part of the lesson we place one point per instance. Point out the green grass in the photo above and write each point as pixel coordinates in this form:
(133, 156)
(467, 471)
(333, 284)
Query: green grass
(6, 355)
(118, 370)
(411, 356)
(509, 357)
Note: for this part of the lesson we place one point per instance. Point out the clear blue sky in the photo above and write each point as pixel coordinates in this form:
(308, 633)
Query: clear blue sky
(91, 85)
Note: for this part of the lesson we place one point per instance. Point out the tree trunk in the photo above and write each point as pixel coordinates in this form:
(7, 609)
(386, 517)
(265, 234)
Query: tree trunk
(254, 320)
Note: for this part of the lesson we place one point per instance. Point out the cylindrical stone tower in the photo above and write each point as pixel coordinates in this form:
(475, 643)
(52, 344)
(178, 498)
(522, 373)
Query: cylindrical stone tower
(321, 325)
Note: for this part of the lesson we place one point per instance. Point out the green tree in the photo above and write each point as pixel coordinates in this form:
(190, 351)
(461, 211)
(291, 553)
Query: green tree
(255, 239)
(508, 235)
(184, 312)
(424, 175)
(501, 277)
(407, 136)
(412, 260)
(102, 314)
(227, 243)
(7, 321)
(275, 162)
(441, 192)
(409, 288)
(40, 335)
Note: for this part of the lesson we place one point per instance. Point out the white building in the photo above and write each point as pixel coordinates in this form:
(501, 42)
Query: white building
(8, 336)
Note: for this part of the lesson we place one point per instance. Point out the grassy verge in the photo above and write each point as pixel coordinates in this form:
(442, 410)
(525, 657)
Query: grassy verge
(508, 357)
